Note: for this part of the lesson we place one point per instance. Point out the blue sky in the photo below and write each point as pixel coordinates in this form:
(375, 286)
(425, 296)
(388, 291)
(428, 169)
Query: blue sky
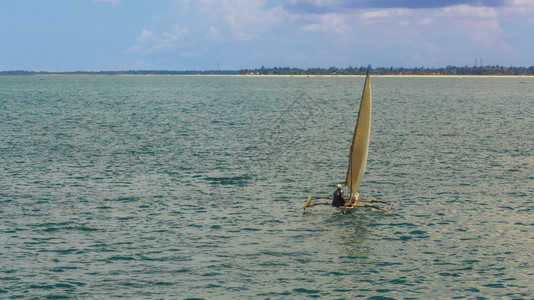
(94, 35)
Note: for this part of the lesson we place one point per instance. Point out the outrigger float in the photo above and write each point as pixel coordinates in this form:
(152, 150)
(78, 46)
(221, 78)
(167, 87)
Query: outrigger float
(357, 160)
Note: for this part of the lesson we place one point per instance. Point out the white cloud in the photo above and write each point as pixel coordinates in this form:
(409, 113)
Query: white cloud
(426, 21)
(383, 16)
(375, 15)
(213, 33)
(466, 11)
(149, 42)
(327, 24)
(520, 7)
(174, 35)
(519, 11)
(234, 19)
(146, 36)
(479, 25)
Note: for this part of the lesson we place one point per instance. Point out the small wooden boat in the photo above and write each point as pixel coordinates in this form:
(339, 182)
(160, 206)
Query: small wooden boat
(358, 159)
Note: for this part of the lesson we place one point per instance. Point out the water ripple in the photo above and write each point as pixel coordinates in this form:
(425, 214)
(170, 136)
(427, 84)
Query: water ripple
(190, 187)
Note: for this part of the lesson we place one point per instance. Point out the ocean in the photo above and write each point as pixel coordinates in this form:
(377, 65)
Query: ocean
(191, 187)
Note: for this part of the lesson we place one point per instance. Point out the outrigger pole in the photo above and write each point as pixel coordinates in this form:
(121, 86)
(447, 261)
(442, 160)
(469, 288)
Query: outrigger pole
(349, 206)
(310, 198)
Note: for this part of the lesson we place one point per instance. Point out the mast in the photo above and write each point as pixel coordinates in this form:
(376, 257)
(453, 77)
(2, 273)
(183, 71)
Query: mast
(360, 143)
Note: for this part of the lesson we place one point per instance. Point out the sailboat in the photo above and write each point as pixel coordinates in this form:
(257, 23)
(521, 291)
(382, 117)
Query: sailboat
(358, 159)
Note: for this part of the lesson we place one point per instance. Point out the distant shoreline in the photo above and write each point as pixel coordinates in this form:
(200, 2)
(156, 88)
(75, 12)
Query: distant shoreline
(449, 71)
(257, 75)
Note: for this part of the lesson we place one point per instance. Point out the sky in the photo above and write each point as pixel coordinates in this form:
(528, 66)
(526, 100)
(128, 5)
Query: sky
(116, 35)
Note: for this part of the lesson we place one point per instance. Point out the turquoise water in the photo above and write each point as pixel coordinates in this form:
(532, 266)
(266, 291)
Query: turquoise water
(191, 187)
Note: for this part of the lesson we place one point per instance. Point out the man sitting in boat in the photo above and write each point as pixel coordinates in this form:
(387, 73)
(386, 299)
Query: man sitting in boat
(338, 200)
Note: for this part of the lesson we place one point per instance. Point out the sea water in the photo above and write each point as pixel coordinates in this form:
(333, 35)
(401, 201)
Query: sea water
(191, 187)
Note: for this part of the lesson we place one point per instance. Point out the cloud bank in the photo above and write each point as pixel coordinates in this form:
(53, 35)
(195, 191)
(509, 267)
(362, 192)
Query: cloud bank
(309, 33)
(235, 34)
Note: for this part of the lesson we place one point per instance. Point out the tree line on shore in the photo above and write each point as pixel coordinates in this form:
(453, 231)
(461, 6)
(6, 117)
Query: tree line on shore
(448, 70)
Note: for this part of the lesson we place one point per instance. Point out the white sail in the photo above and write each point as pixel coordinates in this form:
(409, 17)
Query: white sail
(360, 142)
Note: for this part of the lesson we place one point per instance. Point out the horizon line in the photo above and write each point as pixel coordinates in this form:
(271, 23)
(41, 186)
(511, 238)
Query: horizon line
(262, 67)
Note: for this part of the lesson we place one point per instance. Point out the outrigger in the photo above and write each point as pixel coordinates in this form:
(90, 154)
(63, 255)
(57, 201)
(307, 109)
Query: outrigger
(357, 160)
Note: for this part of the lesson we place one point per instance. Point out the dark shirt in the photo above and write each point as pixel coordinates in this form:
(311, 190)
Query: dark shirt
(338, 198)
